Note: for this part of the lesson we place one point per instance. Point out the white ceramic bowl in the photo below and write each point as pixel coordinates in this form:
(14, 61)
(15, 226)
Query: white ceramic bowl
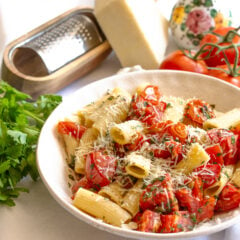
(50, 154)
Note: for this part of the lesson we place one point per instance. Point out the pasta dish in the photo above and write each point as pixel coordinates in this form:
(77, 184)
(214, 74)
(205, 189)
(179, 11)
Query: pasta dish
(150, 162)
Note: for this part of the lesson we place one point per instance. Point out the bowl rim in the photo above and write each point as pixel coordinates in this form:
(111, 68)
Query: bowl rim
(110, 228)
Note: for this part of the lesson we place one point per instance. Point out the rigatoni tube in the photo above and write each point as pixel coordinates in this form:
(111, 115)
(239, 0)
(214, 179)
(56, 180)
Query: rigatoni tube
(137, 165)
(100, 207)
(124, 133)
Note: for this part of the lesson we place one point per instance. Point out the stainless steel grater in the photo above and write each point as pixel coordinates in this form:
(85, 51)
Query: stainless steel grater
(65, 41)
(56, 53)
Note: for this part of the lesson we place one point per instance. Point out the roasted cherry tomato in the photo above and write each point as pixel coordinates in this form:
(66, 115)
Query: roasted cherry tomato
(100, 168)
(179, 61)
(180, 221)
(172, 149)
(206, 211)
(196, 112)
(151, 94)
(179, 132)
(215, 153)
(154, 114)
(147, 107)
(210, 54)
(227, 141)
(149, 221)
(209, 173)
(160, 128)
(159, 195)
(228, 199)
(187, 200)
(84, 183)
(71, 128)
(197, 190)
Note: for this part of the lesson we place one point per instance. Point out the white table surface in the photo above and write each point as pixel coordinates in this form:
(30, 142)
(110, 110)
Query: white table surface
(37, 215)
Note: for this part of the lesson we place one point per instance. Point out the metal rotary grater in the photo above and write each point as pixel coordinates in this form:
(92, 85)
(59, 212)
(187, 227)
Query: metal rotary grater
(66, 40)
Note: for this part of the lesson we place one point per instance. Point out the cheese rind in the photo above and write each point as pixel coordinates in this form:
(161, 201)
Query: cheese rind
(136, 30)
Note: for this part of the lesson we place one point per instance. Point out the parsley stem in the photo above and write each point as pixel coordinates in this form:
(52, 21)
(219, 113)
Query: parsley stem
(33, 116)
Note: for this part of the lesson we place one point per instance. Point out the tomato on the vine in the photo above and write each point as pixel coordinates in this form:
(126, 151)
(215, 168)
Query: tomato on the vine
(179, 61)
(211, 55)
(218, 73)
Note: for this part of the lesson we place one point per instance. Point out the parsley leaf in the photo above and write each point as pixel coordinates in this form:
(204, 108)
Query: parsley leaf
(21, 120)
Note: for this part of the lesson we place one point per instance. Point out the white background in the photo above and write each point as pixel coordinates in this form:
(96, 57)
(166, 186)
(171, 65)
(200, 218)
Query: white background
(37, 215)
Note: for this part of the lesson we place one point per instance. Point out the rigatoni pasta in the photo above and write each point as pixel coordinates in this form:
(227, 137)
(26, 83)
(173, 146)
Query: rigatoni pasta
(131, 199)
(137, 165)
(100, 207)
(114, 192)
(228, 120)
(195, 157)
(145, 158)
(85, 146)
(124, 133)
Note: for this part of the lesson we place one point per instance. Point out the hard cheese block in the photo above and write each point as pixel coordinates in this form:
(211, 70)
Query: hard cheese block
(136, 30)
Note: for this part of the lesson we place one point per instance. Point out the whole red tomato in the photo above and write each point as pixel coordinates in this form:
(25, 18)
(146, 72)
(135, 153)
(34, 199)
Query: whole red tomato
(224, 76)
(179, 61)
(210, 55)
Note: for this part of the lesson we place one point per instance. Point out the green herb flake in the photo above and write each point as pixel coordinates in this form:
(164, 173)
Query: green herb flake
(92, 166)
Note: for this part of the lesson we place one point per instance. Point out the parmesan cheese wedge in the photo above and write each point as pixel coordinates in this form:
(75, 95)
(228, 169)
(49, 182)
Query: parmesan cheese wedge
(136, 30)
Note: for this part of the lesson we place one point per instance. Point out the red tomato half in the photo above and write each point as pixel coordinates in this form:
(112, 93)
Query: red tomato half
(179, 132)
(173, 150)
(71, 128)
(187, 200)
(149, 221)
(206, 211)
(147, 107)
(197, 112)
(216, 154)
(100, 168)
(179, 221)
(214, 59)
(209, 174)
(159, 195)
(160, 128)
(197, 190)
(228, 199)
(227, 141)
(179, 61)
(151, 94)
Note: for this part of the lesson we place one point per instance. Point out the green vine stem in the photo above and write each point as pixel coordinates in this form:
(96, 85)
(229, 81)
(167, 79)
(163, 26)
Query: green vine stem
(233, 69)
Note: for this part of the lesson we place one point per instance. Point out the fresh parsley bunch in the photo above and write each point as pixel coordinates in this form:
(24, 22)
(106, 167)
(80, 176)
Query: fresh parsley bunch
(20, 123)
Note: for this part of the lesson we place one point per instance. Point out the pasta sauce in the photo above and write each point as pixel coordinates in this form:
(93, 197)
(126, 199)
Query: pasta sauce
(153, 163)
